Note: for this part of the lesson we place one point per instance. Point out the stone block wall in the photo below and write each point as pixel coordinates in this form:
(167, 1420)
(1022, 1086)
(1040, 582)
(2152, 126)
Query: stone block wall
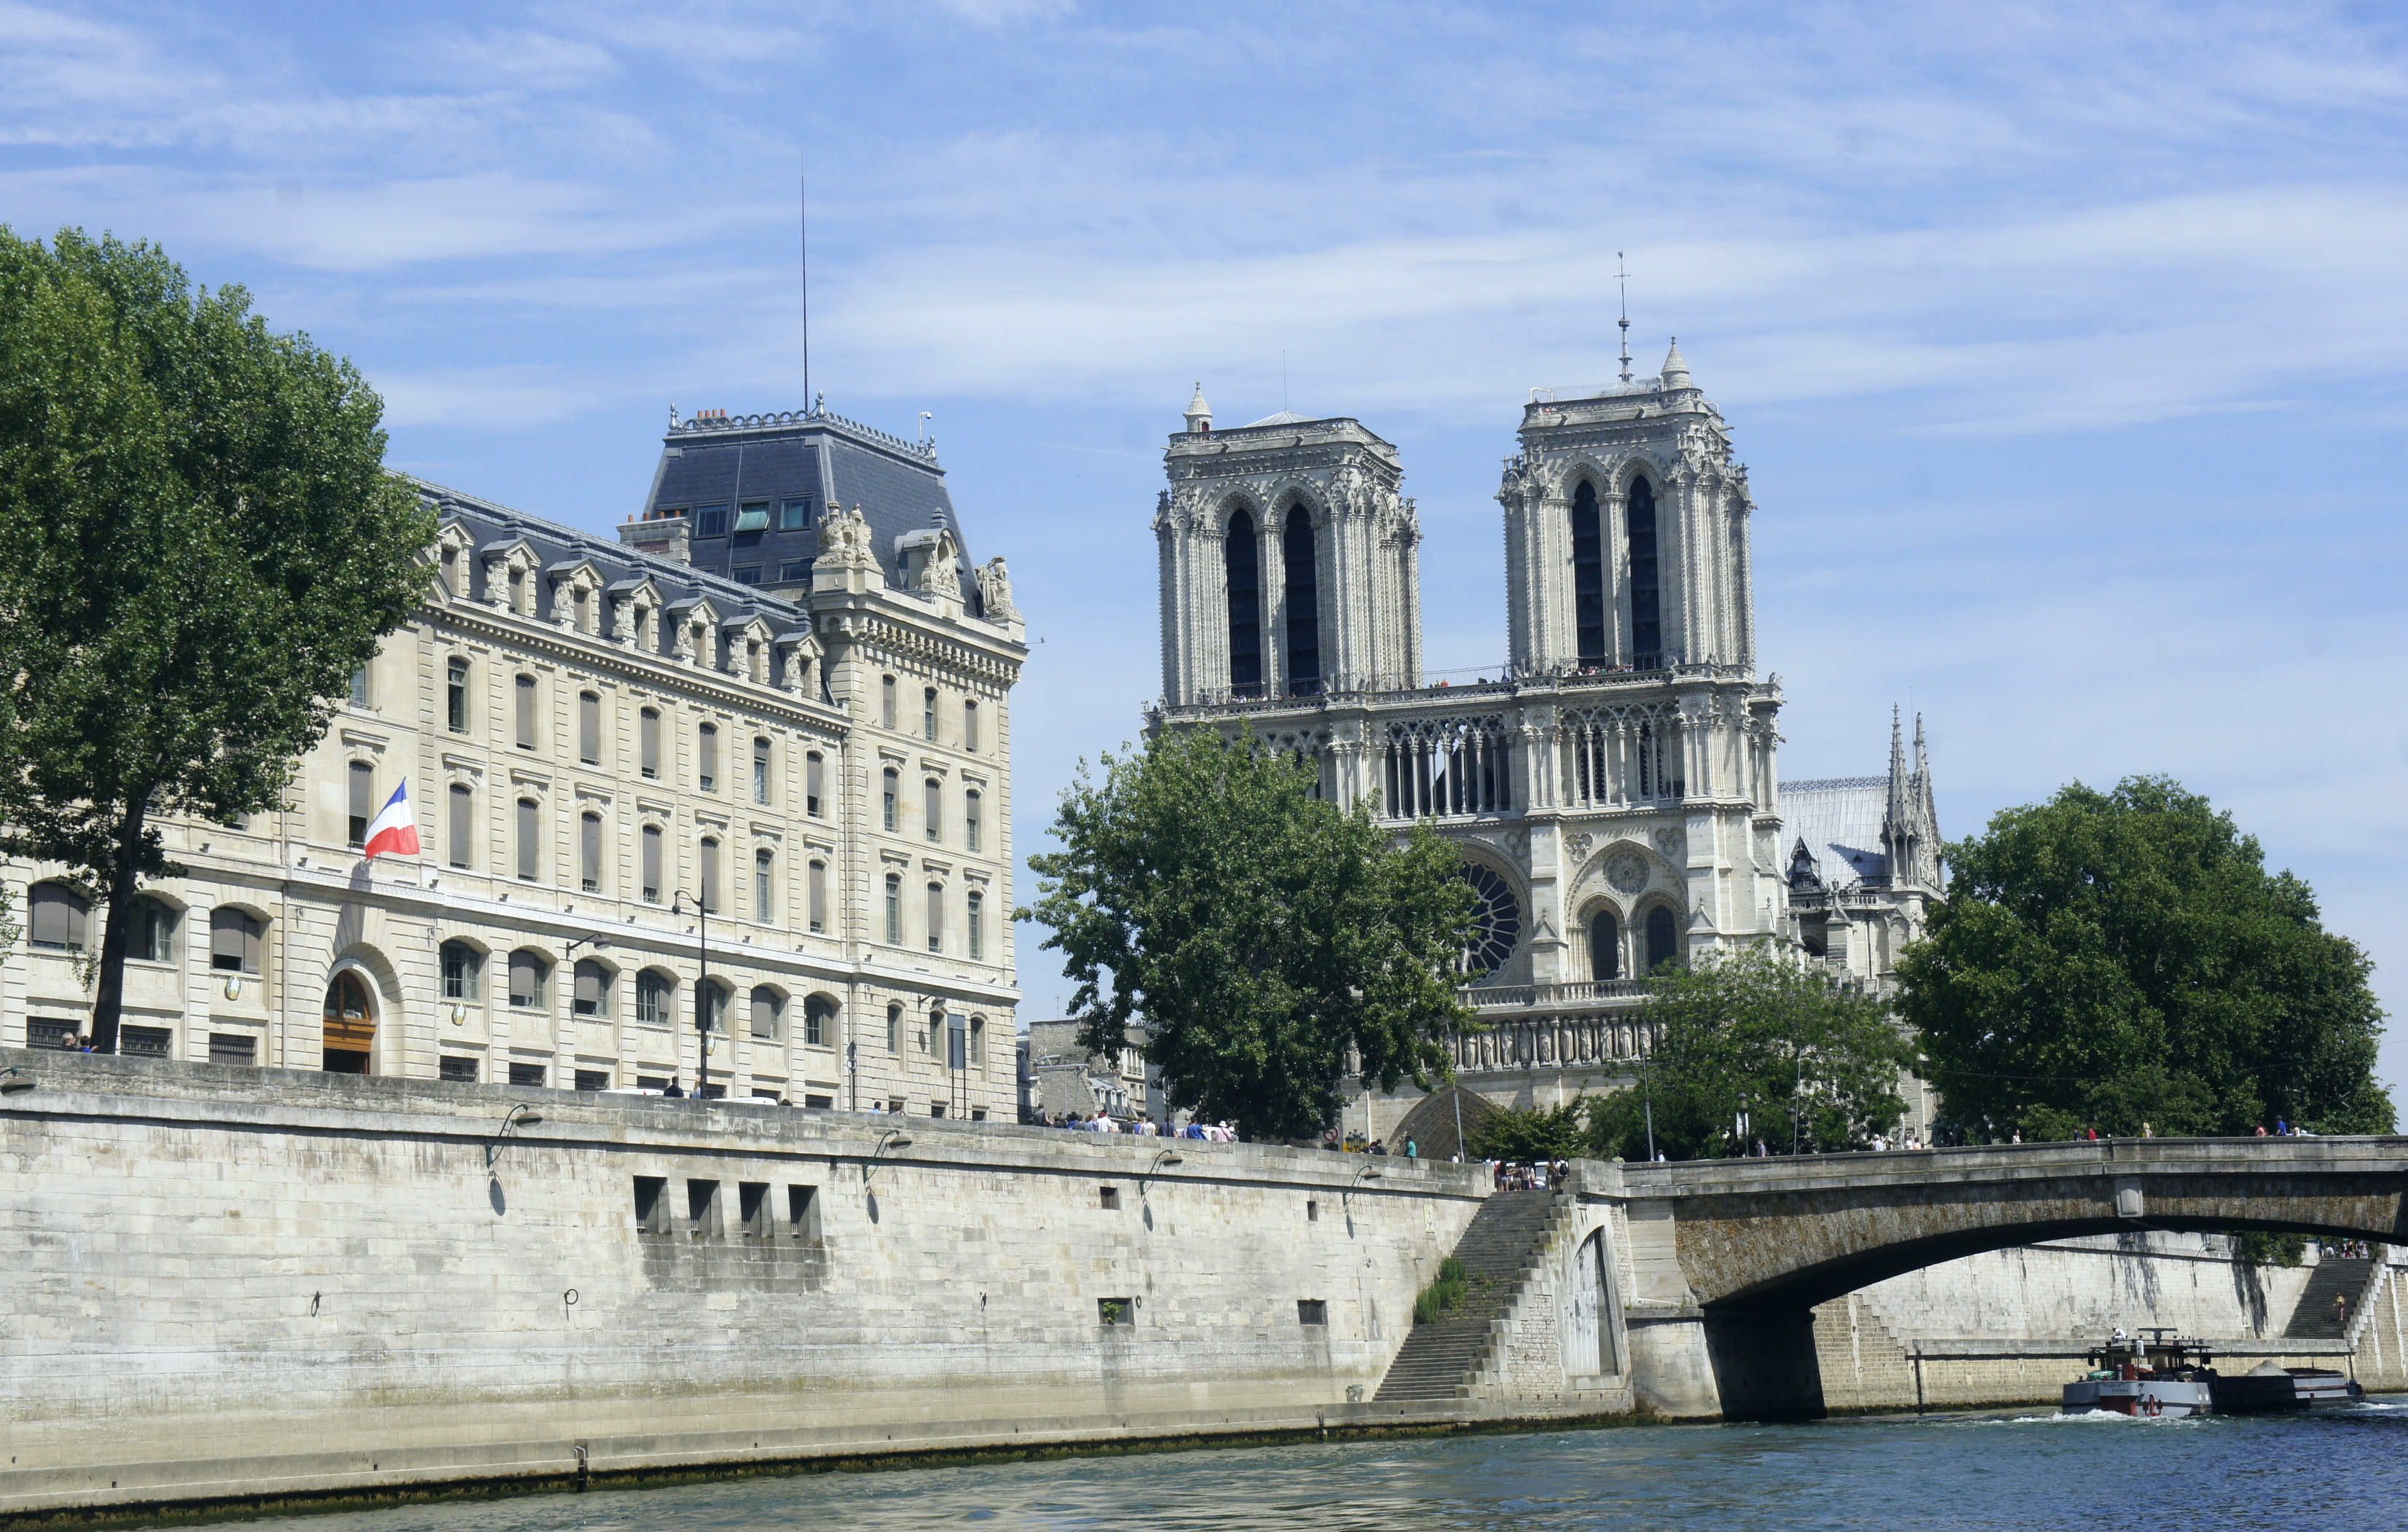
(238, 1281)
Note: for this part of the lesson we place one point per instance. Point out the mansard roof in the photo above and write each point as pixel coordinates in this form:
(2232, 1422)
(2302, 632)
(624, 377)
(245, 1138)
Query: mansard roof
(620, 568)
(715, 458)
(1840, 820)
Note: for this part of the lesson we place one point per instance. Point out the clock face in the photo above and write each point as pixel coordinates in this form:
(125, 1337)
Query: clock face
(1626, 870)
(1496, 924)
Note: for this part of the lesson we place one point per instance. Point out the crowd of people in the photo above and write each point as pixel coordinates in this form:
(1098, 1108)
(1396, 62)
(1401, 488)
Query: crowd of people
(1104, 1122)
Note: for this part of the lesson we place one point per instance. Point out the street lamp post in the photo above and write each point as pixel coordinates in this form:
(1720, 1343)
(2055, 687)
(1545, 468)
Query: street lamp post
(678, 901)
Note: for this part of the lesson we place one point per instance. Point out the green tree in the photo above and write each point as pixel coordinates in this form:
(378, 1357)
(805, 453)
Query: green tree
(1539, 1133)
(1805, 1062)
(2111, 959)
(203, 545)
(1261, 932)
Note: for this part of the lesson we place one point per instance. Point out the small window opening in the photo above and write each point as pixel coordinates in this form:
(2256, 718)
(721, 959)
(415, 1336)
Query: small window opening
(651, 1205)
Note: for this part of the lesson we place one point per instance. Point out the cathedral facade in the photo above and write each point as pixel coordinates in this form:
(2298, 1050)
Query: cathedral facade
(1613, 784)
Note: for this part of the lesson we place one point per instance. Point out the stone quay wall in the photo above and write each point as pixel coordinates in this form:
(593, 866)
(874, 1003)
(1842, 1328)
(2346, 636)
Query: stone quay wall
(250, 1283)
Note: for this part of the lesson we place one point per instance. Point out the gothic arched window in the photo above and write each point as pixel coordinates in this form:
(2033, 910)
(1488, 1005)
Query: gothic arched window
(1663, 938)
(1604, 946)
(1588, 576)
(1304, 605)
(1245, 572)
(1646, 620)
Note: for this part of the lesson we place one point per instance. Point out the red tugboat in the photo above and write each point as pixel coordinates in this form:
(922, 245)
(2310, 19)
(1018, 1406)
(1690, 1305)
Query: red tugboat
(2161, 1377)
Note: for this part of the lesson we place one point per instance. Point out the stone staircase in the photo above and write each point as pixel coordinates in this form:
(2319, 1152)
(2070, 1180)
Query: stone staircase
(1499, 1251)
(2334, 1277)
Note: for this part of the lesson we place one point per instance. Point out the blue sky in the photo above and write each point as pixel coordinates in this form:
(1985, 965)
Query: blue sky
(2068, 346)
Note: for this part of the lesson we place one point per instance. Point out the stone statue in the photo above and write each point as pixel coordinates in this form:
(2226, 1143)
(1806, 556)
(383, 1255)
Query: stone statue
(994, 591)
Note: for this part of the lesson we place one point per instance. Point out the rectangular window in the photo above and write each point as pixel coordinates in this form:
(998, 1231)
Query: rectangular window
(588, 728)
(705, 756)
(886, 701)
(795, 516)
(232, 1048)
(1115, 1312)
(760, 770)
(803, 1211)
(237, 940)
(589, 854)
(651, 1205)
(455, 697)
(793, 571)
(814, 784)
(1313, 1312)
(527, 980)
(753, 516)
(934, 808)
(889, 812)
(593, 1080)
(143, 1042)
(818, 897)
(753, 1200)
(526, 1074)
(652, 858)
(702, 1209)
(971, 806)
(976, 923)
(457, 1069)
(710, 873)
(928, 715)
(1110, 1197)
(936, 917)
(745, 574)
(764, 881)
(647, 730)
(530, 839)
(460, 827)
(894, 910)
(711, 521)
(969, 724)
(364, 805)
(360, 687)
(589, 990)
(525, 715)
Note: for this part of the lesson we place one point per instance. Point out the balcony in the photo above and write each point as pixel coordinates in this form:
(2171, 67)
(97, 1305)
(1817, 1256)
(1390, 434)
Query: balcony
(1593, 1023)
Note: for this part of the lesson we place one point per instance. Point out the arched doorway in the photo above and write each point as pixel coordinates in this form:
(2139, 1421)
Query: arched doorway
(1604, 946)
(351, 1024)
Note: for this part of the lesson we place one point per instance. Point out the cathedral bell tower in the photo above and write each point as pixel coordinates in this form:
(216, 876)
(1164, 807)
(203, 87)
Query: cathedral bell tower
(1290, 565)
(1627, 533)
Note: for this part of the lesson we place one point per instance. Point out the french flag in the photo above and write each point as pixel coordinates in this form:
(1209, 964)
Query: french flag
(392, 831)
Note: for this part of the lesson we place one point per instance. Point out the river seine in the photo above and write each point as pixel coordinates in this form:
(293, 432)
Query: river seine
(2025, 1470)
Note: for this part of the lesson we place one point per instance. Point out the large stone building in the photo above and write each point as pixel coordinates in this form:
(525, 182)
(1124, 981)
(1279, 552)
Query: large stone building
(609, 746)
(1612, 782)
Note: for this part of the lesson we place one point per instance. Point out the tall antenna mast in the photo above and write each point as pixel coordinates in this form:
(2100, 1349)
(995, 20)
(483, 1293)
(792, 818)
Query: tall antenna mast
(1622, 279)
(803, 208)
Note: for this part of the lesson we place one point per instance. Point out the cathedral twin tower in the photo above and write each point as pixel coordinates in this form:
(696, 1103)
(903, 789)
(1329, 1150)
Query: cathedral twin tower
(1291, 563)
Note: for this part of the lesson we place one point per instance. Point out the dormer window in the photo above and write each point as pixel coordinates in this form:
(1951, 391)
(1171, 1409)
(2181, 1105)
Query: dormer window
(753, 518)
(795, 516)
(711, 521)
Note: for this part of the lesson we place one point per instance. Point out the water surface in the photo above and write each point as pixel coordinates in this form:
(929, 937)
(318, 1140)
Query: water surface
(2024, 1470)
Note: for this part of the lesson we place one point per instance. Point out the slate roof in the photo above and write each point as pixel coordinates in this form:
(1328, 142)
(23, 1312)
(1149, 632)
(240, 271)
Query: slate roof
(557, 547)
(811, 455)
(1839, 819)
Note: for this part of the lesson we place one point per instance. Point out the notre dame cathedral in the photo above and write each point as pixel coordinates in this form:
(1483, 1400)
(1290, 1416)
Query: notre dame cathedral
(1614, 783)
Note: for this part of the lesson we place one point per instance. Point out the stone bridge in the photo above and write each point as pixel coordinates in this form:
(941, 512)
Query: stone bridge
(1727, 1258)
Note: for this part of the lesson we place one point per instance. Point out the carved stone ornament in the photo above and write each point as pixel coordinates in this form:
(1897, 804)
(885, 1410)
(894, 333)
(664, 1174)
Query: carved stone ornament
(845, 541)
(1578, 843)
(1626, 870)
(1675, 845)
(942, 574)
(994, 591)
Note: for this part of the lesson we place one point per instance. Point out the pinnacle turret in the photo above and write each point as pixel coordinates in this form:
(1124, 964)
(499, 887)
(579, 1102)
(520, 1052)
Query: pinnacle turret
(1676, 371)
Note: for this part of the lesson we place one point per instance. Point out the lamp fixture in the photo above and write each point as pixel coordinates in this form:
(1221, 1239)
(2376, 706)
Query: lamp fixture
(15, 1082)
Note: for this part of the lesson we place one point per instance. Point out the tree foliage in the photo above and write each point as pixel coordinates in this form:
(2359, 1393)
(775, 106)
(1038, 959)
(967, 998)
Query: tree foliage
(2111, 959)
(1533, 1133)
(1808, 1063)
(1260, 932)
(203, 545)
